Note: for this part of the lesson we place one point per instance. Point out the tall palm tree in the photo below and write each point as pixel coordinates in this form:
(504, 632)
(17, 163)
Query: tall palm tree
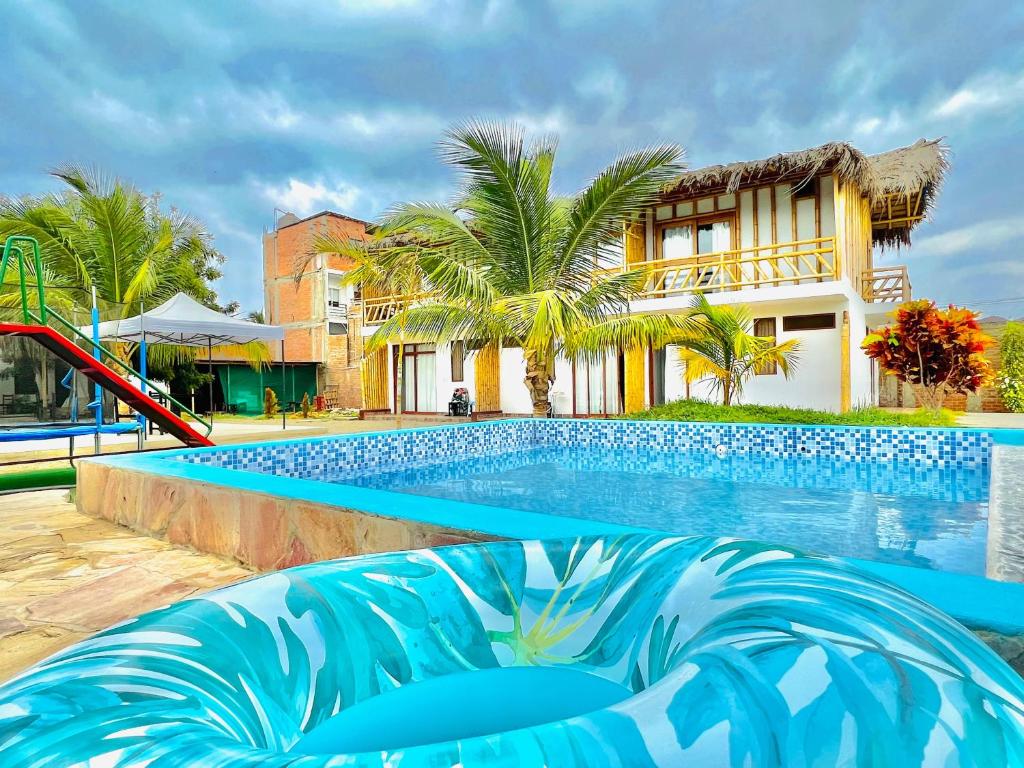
(510, 262)
(721, 345)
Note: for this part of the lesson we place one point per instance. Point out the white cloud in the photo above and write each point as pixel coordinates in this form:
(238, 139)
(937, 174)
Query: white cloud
(303, 198)
(876, 125)
(554, 121)
(993, 91)
(389, 124)
(964, 241)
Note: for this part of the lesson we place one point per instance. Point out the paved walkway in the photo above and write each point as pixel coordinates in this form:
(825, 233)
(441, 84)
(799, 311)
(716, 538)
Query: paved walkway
(64, 576)
(992, 420)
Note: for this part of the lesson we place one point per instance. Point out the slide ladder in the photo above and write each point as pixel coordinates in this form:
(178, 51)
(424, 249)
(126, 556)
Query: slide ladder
(91, 363)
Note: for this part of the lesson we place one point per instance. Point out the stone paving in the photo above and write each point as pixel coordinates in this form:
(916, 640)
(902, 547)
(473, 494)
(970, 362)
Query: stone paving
(64, 576)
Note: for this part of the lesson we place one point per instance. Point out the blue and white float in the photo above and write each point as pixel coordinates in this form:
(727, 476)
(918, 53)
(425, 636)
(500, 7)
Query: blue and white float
(614, 651)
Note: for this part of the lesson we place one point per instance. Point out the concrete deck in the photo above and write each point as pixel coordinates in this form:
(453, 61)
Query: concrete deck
(64, 576)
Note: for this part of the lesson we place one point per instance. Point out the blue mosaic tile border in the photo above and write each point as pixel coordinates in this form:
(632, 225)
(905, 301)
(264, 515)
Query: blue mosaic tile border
(384, 451)
(919, 447)
(373, 452)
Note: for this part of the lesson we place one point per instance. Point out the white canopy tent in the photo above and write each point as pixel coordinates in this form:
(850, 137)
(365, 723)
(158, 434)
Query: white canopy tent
(181, 320)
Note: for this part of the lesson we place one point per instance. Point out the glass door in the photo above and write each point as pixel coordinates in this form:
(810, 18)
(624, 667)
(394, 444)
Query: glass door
(597, 386)
(419, 379)
(658, 360)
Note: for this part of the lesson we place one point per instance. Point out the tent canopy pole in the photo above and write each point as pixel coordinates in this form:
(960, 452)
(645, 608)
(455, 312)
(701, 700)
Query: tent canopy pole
(284, 394)
(209, 358)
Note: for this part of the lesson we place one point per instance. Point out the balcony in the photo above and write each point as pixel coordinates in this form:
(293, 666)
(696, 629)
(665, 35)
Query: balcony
(792, 263)
(886, 285)
(381, 308)
(779, 264)
(337, 312)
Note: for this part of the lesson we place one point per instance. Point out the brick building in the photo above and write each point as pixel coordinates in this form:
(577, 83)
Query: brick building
(303, 292)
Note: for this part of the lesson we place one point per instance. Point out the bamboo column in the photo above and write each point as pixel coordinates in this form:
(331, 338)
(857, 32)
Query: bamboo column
(844, 364)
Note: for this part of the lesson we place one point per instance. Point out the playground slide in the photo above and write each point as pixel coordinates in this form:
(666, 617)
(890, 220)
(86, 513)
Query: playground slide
(96, 371)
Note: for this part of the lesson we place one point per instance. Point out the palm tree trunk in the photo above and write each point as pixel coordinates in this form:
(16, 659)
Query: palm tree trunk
(538, 382)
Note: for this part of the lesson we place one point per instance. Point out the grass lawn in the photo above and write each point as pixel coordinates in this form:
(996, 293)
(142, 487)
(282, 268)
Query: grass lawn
(699, 410)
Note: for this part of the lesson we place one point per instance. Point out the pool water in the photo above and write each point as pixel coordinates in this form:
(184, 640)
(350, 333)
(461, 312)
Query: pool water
(890, 512)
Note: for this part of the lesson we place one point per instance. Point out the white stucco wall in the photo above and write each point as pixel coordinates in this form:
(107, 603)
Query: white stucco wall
(814, 383)
(863, 390)
(514, 397)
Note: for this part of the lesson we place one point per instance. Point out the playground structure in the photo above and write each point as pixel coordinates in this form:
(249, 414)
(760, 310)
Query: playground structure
(86, 357)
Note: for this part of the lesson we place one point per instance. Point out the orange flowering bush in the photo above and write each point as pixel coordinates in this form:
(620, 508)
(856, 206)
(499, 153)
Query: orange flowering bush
(936, 351)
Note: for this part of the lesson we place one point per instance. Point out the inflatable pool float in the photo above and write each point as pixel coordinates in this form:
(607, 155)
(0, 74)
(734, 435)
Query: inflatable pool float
(627, 651)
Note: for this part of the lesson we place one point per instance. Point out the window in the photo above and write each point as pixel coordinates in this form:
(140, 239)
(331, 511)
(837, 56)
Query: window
(808, 189)
(336, 305)
(337, 329)
(458, 361)
(764, 327)
(677, 242)
(714, 237)
(809, 322)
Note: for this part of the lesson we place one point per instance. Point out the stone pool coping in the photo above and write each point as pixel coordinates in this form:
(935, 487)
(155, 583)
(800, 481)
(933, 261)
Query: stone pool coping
(177, 499)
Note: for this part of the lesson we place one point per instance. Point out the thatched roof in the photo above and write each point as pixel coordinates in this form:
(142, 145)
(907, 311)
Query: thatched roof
(908, 171)
(909, 179)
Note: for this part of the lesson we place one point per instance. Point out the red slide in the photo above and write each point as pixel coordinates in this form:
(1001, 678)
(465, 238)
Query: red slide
(96, 371)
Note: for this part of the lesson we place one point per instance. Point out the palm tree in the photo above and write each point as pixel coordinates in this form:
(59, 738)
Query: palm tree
(720, 345)
(102, 234)
(511, 263)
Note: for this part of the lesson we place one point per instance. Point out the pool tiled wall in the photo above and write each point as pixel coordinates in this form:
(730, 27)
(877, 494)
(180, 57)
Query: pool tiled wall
(926, 448)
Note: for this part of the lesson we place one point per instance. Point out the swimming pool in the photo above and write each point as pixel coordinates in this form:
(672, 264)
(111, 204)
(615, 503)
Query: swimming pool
(938, 511)
(932, 516)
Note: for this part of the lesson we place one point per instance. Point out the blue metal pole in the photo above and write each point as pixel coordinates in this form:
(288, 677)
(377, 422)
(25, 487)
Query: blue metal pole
(142, 364)
(97, 402)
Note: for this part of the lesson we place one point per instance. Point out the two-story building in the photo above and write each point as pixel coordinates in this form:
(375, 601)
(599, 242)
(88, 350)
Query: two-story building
(321, 317)
(794, 237)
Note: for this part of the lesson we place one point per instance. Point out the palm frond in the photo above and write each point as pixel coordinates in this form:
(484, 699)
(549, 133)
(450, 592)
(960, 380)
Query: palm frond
(623, 333)
(616, 195)
(439, 323)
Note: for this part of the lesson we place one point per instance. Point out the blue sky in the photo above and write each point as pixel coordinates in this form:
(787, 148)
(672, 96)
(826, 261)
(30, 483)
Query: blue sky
(230, 109)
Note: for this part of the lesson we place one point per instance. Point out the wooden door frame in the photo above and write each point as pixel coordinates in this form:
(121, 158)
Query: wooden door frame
(415, 366)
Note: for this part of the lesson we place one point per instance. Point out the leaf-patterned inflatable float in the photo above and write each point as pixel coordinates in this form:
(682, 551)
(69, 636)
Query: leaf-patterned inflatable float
(733, 653)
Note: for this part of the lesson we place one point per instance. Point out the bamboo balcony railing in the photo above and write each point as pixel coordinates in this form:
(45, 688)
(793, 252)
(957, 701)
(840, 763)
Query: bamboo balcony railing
(883, 285)
(761, 266)
(793, 263)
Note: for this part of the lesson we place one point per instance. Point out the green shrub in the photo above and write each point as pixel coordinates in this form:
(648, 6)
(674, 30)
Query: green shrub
(700, 410)
(1010, 379)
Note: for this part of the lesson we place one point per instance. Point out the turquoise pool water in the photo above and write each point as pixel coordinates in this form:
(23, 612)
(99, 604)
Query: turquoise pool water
(887, 511)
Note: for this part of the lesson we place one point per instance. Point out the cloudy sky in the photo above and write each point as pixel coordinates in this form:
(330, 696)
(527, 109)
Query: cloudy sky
(231, 109)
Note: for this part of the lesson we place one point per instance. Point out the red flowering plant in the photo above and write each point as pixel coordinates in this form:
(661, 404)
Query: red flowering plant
(936, 351)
